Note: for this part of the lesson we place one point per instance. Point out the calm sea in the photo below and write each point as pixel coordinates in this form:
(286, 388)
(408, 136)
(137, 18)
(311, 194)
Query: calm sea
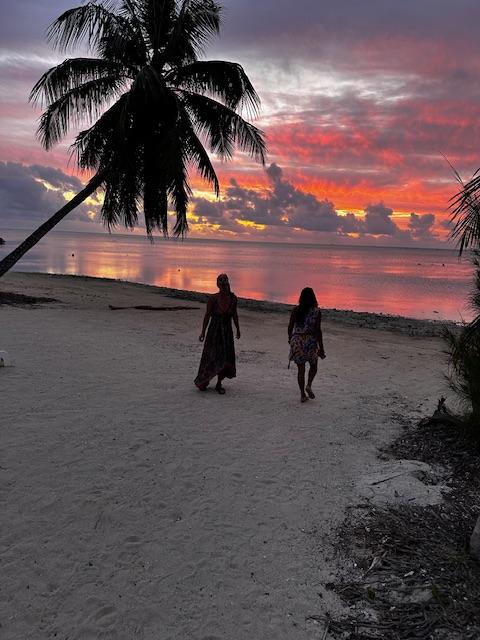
(420, 283)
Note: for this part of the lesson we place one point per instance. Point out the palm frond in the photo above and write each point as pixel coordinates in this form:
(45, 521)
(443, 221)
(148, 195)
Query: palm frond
(224, 80)
(223, 127)
(465, 214)
(197, 155)
(94, 147)
(85, 23)
(179, 192)
(172, 167)
(198, 21)
(85, 102)
(130, 42)
(157, 18)
(71, 74)
(176, 174)
(123, 191)
(155, 201)
(148, 87)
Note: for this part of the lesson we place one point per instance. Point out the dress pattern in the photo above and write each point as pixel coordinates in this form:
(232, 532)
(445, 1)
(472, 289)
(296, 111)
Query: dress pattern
(218, 356)
(304, 343)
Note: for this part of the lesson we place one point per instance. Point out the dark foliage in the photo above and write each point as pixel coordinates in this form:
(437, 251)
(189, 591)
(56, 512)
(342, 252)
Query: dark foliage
(155, 104)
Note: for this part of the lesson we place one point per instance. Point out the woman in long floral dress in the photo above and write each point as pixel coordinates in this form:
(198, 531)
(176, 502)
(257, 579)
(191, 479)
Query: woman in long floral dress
(306, 340)
(218, 357)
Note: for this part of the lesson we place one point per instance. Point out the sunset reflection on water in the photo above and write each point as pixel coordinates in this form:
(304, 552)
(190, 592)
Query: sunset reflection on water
(411, 282)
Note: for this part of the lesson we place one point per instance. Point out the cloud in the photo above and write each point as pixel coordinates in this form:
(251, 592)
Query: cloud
(359, 101)
(378, 220)
(421, 226)
(376, 32)
(31, 193)
(283, 206)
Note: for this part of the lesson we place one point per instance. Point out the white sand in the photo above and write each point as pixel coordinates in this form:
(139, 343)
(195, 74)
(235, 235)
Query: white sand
(135, 507)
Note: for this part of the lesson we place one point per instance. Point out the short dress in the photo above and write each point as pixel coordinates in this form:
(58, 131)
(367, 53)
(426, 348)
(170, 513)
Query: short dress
(218, 357)
(304, 342)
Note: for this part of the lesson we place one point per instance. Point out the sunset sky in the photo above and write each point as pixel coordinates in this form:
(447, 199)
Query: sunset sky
(361, 101)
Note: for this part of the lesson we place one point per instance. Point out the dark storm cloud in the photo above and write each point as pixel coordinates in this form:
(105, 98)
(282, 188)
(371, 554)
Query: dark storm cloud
(421, 226)
(25, 198)
(321, 26)
(378, 220)
(303, 210)
(285, 206)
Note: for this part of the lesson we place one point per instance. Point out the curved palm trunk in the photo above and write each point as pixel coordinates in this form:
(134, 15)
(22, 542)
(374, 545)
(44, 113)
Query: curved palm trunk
(7, 263)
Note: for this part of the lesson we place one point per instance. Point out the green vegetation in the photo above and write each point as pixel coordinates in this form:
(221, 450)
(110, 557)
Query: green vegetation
(464, 347)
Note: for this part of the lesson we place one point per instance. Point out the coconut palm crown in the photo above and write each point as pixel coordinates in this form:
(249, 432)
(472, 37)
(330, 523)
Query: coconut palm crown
(155, 106)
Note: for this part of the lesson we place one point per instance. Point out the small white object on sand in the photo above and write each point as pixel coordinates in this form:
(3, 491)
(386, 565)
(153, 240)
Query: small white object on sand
(5, 360)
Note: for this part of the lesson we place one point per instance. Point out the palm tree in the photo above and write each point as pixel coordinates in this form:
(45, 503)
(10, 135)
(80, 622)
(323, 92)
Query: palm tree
(155, 107)
(464, 359)
(464, 353)
(464, 347)
(466, 232)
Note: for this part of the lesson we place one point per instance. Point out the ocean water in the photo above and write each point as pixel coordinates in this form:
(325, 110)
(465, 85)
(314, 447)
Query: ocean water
(419, 283)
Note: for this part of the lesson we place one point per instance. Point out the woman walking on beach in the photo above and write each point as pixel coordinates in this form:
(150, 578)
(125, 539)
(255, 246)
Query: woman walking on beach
(218, 357)
(306, 340)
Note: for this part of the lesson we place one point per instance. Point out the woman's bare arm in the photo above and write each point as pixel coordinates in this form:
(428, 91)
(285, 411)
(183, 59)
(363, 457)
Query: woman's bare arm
(321, 350)
(235, 318)
(206, 319)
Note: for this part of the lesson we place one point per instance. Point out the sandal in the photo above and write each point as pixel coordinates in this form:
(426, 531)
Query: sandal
(310, 393)
(303, 399)
(219, 389)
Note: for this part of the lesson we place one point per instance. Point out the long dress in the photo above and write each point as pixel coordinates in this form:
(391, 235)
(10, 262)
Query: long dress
(218, 356)
(304, 340)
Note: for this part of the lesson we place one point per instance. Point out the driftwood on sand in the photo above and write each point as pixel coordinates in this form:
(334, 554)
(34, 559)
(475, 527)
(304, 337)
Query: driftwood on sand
(441, 415)
(19, 299)
(147, 307)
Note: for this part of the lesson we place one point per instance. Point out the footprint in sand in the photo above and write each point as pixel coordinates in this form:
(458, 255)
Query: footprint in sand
(105, 617)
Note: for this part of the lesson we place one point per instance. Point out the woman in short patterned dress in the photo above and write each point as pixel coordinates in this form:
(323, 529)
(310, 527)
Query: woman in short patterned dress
(218, 357)
(306, 340)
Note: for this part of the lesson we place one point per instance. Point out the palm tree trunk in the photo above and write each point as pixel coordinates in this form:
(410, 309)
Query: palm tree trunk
(7, 263)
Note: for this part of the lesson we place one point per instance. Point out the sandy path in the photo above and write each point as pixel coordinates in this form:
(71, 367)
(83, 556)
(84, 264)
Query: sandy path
(135, 507)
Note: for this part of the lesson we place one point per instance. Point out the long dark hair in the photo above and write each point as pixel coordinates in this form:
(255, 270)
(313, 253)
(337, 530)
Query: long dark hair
(224, 275)
(306, 302)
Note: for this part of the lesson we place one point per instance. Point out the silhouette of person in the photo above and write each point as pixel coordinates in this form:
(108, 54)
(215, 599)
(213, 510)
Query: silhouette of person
(218, 356)
(306, 340)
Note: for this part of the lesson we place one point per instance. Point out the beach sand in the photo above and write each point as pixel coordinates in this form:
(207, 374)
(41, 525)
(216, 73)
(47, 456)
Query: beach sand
(136, 507)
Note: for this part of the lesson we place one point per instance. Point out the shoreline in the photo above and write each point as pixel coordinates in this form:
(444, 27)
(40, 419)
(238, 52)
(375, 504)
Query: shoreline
(346, 317)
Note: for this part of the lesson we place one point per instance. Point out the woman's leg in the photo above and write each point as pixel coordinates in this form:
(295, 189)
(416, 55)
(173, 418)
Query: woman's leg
(301, 381)
(218, 386)
(311, 375)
